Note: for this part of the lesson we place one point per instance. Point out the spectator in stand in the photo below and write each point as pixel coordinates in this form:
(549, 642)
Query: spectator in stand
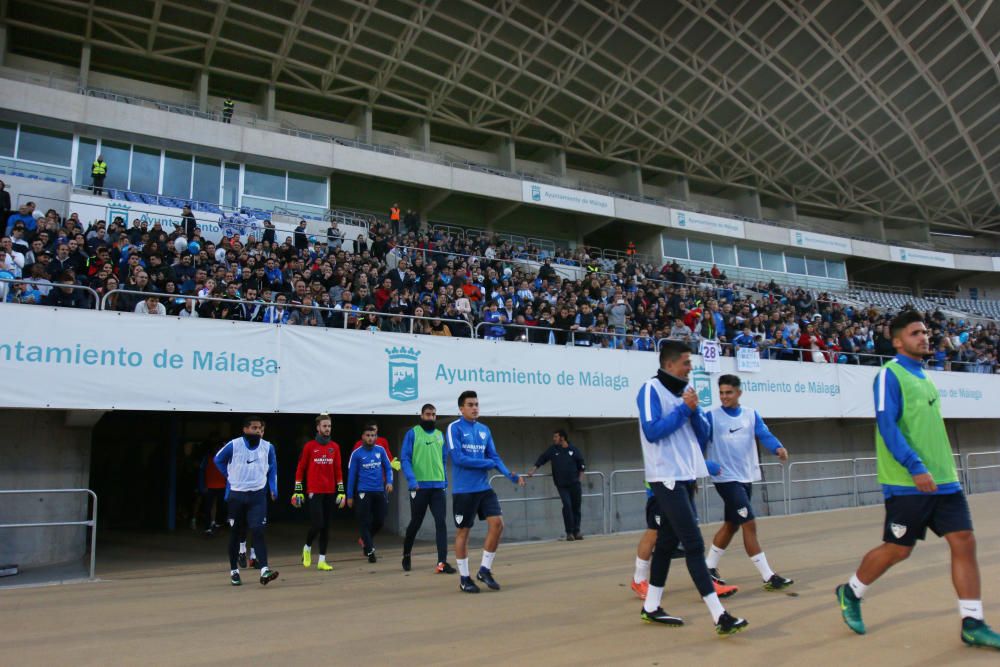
(188, 222)
(301, 237)
(334, 236)
(64, 295)
(812, 346)
(5, 206)
(150, 306)
(24, 217)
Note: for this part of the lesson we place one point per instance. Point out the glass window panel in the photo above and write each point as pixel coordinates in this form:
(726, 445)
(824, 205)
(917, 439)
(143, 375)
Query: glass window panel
(231, 185)
(700, 251)
(816, 267)
(307, 189)
(772, 261)
(724, 254)
(145, 170)
(177, 175)
(85, 155)
(46, 146)
(836, 269)
(262, 182)
(796, 264)
(206, 179)
(676, 248)
(8, 134)
(749, 257)
(116, 155)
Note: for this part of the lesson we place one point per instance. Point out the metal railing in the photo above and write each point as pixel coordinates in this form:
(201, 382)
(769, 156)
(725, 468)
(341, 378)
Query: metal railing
(970, 469)
(589, 473)
(91, 522)
(288, 307)
(617, 339)
(612, 515)
(807, 480)
(5, 284)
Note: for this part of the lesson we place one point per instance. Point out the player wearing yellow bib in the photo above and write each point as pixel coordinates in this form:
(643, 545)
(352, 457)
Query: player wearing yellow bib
(920, 484)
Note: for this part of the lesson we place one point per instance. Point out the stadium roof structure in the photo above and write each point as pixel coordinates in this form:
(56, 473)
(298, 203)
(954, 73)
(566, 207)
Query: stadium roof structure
(885, 108)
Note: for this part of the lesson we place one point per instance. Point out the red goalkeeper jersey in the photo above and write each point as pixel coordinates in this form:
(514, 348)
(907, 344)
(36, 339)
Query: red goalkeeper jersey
(319, 465)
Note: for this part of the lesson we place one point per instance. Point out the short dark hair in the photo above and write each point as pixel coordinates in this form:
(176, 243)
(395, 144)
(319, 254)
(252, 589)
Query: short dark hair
(903, 320)
(561, 433)
(323, 417)
(730, 379)
(467, 394)
(671, 350)
(369, 426)
(427, 406)
(249, 419)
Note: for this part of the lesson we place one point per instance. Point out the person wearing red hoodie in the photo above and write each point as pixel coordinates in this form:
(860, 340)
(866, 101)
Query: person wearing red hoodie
(812, 345)
(319, 466)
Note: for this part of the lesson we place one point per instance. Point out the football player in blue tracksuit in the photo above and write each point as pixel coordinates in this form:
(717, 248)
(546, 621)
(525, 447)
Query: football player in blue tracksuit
(473, 455)
(250, 467)
(734, 466)
(367, 473)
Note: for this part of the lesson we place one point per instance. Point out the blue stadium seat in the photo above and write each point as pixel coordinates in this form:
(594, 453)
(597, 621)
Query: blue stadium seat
(133, 197)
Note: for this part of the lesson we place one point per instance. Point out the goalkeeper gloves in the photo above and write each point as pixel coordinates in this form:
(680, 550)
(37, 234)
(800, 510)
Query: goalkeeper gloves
(341, 498)
(396, 465)
(298, 499)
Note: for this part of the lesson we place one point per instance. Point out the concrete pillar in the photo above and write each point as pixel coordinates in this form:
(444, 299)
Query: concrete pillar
(871, 226)
(557, 162)
(419, 129)
(629, 178)
(362, 119)
(3, 45)
(201, 88)
(679, 188)
(748, 204)
(84, 65)
(788, 211)
(270, 94)
(506, 158)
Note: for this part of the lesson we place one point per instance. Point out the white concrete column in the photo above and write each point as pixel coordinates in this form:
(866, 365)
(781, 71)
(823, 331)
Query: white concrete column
(269, 97)
(84, 65)
(201, 88)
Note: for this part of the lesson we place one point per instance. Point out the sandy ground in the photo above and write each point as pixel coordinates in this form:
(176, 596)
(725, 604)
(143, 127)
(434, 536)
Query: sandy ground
(561, 603)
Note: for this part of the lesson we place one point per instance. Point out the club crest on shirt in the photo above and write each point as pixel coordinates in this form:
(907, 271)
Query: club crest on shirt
(742, 512)
(897, 529)
(482, 435)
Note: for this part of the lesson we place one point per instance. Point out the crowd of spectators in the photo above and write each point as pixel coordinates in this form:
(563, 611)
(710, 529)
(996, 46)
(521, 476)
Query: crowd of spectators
(403, 278)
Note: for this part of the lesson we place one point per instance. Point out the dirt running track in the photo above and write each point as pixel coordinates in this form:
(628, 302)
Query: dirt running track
(562, 603)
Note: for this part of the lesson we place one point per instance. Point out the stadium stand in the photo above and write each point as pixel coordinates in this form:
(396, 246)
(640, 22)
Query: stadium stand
(453, 281)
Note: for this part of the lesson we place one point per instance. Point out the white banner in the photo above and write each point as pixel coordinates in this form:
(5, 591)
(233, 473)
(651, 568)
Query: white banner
(747, 360)
(708, 224)
(144, 362)
(213, 225)
(710, 354)
(573, 200)
(944, 260)
(824, 242)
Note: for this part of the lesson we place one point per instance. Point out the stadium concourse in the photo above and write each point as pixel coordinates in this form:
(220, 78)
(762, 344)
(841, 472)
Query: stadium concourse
(562, 604)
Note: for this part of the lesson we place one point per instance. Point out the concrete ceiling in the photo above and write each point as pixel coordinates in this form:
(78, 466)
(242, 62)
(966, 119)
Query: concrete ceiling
(874, 107)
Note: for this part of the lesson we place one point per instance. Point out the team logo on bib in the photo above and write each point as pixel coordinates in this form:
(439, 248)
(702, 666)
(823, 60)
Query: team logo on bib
(458, 518)
(897, 529)
(743, 512)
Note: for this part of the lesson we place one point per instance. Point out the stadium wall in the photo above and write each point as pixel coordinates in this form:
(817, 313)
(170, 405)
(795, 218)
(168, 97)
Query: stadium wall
(44, 449)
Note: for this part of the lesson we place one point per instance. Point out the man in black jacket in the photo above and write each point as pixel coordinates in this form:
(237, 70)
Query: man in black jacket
(64, 296)
(567, 473)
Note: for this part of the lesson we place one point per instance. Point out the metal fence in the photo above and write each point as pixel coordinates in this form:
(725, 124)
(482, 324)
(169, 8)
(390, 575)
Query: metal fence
(90, 523)
(605, 517)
